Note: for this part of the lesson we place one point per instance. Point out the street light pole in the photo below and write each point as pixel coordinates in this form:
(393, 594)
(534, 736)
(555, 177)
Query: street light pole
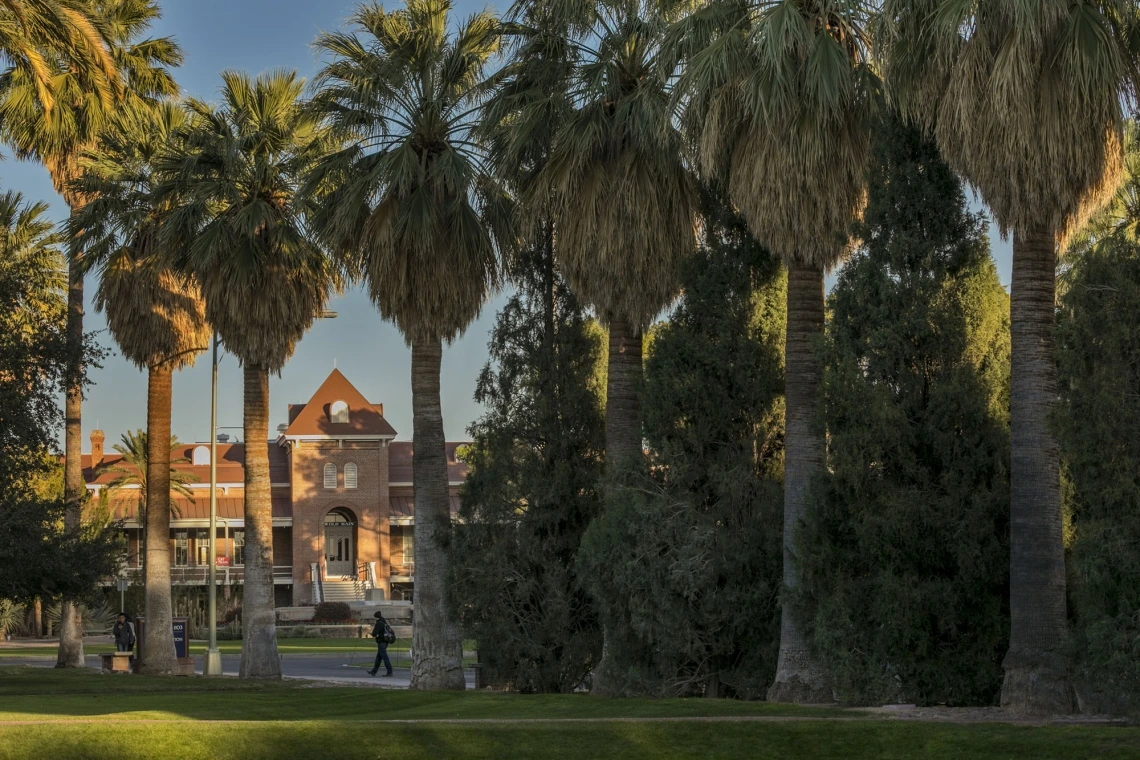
(213, 664)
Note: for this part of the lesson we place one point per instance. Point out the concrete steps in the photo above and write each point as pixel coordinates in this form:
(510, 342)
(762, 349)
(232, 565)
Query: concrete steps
(343, 591)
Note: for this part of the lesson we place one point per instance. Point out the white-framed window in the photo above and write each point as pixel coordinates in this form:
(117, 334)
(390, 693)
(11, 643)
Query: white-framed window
(350, 480)
(181, 548)
(200, 456)
(239, 548)
(330, 475)
(201, 547)
(338, 412)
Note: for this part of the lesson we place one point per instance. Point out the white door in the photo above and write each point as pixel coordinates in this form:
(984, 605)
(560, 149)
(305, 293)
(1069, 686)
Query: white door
(338, 551)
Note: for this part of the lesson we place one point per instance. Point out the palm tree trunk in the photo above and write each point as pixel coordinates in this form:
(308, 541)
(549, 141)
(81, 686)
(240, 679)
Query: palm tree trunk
(259, 623)
(158, 656)
(623, 388)
(623, 445)
(799, 676)
(437, 645)
(1036, 672)
(74, 489)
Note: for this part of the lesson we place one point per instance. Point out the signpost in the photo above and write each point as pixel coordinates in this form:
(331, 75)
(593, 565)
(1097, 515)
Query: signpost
(122, 584)
(213, 664)
(180, 627)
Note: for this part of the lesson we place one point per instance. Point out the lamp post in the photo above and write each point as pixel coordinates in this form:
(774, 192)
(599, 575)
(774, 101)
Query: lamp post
(213, 664)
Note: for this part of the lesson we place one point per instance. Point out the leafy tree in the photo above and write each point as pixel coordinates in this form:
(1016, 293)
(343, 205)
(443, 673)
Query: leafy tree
(39, 553)
(156, 316)
(57, 138)
(236, 225)
(904, 559)
(686, 561)
(779, 96)
(532, 490)
(1025, 100)
(410, 206)
(1098, 424)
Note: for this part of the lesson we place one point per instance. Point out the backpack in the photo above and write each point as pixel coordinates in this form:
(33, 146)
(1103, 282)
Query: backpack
(389, 634)
(130, 634)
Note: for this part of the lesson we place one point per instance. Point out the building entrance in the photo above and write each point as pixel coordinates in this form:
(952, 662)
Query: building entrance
(339, 545)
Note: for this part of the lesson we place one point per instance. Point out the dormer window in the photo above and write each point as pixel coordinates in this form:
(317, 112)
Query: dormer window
(330, 475)
(338, 412)
(200, 456)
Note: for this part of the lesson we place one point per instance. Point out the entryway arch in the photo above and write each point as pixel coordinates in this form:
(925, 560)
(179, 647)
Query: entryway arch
(340, 543)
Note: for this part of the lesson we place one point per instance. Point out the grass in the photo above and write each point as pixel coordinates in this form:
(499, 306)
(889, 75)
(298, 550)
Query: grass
(82, 714)
(285, 646)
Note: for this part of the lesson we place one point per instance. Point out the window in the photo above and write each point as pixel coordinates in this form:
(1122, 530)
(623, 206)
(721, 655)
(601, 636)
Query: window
(239, 548)
(201, 547)
(201, 456)
(181, 548)
(350, 475)
(409, 546)
(330, 475)
(338, 412)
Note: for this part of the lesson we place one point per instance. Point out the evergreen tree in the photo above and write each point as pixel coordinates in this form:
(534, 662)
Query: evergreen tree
(535, 460)
(686, 561)
(1098, 422)
(906, 564)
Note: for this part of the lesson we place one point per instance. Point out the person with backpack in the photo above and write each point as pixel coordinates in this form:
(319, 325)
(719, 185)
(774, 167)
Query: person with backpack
(124, 634)
(384, 636)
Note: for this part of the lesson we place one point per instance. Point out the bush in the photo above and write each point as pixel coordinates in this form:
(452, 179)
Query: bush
(332, 613)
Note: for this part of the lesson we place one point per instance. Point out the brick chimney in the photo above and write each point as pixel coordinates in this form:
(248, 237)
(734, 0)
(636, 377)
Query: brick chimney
(97, 439)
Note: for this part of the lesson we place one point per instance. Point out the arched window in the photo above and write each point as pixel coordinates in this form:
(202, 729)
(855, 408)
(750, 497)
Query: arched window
(200, 456)
(338, 412)
(330, 475)
(350, 475)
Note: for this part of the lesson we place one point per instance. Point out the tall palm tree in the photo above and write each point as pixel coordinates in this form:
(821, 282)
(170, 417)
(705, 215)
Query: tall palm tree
(155, 315)
(410, 206)
(133, 470)
(1025, 100)
(236, 225)
(57, 139)
(624, 200)
(779, 99)
(32, 32)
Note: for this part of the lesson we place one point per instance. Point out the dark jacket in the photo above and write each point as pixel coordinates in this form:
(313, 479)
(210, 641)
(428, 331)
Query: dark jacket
(124, 633)
(378, 630)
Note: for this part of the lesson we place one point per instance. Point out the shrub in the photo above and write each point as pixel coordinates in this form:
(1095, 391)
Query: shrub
(332, 612)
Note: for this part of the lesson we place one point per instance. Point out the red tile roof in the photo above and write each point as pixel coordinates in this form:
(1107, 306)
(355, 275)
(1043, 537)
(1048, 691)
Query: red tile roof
(400, 462)
(125, 507)
(231, 464)
(364, 418)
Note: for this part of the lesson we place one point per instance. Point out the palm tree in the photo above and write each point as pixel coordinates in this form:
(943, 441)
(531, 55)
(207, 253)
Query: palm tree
(155, 315)
(1121, 216)
(236, 225)
(779, 98)
(624, 200)
(409, 204)
(33, 31)
(133, 470)
(1025, 100)
(57, 138)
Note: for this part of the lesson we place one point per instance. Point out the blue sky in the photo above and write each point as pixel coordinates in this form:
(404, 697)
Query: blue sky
(260, 35)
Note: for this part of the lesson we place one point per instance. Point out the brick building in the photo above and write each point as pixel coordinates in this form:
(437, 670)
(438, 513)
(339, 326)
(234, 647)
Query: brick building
(343, 516)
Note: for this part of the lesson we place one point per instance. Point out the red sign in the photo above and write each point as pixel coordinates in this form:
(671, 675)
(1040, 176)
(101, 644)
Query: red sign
(223, 561)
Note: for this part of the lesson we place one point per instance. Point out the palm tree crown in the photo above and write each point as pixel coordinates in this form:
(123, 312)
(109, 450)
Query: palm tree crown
(409, 202)
(132, 468)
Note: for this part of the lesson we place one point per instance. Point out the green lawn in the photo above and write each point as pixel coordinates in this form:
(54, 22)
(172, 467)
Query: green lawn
(82, 714)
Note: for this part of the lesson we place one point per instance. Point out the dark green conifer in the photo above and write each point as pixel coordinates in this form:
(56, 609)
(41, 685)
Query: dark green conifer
(906, 564)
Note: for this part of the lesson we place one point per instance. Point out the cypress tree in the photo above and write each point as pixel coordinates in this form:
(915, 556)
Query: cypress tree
(536, 459)
(1098, 424)
(685, 563)
(905, 564)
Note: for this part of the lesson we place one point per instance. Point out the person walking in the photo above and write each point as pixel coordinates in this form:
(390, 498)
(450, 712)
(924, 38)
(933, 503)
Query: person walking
(124, 634)
(384, 636)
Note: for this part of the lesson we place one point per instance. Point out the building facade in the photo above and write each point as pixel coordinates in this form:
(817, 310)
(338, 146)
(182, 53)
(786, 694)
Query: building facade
(343, 510)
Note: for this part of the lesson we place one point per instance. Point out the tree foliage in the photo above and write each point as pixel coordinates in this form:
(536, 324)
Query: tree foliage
(686, 562)
(905, 561)
(37, 555)
(532, 490)
(1098, 424)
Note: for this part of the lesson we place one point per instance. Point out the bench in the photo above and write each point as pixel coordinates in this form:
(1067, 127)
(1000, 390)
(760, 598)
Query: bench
(117, 662)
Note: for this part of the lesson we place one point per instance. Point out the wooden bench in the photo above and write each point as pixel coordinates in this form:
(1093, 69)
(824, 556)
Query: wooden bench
(117, 662)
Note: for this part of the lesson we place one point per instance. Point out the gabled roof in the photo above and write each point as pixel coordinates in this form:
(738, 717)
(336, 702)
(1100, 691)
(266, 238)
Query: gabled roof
(312, 420)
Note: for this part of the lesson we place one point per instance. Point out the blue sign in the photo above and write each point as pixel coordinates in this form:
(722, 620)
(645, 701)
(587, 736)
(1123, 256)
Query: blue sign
(181, 640)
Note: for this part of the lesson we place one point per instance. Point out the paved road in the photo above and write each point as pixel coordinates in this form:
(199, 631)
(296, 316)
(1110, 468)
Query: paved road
(340, 667)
